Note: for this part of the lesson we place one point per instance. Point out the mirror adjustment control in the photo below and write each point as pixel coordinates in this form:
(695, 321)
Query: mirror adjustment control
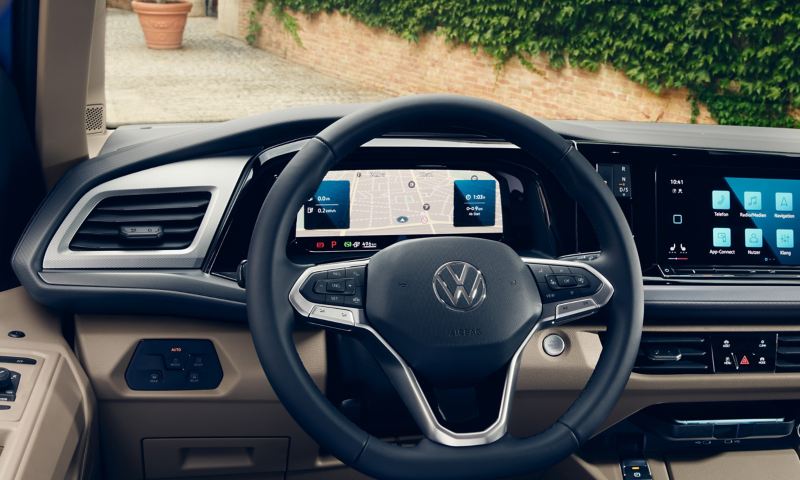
(9, 382)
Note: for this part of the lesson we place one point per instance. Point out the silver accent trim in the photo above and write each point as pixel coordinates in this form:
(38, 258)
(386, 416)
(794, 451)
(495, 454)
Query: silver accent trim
(561, 312)
(295, 146)
(731, 421)
(216, 175)
(403, 378)
(474, 296)
(554, 345)
(306, 308)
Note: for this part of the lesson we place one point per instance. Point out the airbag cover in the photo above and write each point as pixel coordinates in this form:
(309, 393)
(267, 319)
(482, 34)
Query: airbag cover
(455, 308)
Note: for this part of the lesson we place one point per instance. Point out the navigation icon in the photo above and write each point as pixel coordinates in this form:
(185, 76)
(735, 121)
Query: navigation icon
(783, 201)
(402, 219)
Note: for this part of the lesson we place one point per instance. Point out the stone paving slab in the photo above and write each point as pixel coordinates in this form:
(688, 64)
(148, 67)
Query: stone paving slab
(212, 78)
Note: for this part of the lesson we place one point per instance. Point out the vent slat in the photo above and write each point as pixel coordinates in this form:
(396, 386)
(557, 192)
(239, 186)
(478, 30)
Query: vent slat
(178, 204)
(175, 216)
(787, 358)
(674, 354)
(155, 217)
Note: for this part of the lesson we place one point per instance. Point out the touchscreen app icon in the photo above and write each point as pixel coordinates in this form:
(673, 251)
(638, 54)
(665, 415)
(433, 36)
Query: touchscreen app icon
(785, 238)
(752, 200)
(753, 238)
(721, 200)
(722, 237)
(783, 201)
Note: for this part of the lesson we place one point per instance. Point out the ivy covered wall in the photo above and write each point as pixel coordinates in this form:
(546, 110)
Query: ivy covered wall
(740, 58)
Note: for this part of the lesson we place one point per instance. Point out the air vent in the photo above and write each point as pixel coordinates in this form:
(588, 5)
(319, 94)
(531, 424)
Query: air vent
(788, 353)
(162, 221)
(669, 353)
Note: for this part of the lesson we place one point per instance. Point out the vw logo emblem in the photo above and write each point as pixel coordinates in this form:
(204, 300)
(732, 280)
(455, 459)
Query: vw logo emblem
(459, 286)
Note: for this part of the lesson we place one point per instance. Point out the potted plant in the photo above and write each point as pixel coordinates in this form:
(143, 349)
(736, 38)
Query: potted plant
(162, 21)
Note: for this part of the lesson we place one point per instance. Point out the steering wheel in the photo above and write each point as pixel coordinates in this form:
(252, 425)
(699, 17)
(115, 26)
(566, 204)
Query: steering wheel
(441, 314)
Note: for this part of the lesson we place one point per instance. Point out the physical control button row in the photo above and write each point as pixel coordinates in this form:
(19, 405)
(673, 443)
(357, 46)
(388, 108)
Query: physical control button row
(342, 287)
(559, 282)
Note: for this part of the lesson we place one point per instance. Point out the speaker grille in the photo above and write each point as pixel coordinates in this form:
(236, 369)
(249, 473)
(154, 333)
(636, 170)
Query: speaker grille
(95, 120)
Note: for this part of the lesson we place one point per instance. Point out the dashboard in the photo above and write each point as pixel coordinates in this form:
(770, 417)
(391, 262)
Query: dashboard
(690, 194)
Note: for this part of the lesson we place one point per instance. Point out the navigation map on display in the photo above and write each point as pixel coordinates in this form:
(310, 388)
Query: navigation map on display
(402, 202)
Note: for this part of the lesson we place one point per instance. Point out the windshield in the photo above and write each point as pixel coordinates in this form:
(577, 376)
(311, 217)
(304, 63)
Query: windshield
(658, 61)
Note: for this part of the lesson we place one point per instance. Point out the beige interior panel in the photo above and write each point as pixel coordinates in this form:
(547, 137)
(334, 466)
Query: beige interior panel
(65, 37)
(548, 385)
(194, 457)
(765, 465)
(47, 431)
(244, 405)
(603, 468)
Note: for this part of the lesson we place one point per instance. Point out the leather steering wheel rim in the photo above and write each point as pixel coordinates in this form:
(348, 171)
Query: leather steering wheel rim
(271, 276)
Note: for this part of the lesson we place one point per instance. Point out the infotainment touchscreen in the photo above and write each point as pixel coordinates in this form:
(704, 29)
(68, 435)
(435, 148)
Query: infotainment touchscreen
(710, 217)
(369, 209)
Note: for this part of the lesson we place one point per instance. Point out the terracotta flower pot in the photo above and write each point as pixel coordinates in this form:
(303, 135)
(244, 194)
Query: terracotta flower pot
(162, 23)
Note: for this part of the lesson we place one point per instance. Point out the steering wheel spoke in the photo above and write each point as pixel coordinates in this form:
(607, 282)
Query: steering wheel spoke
(417, 398)
(570, 290)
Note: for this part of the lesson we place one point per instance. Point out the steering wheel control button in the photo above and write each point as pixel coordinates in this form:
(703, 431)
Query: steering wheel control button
(356, 300)
(560, 269)
(566, 281)
(333, 315)
(334, 299)
(320, 286)
(578, 307)
(554, 345)
(336, 274)
(540, 272)
(335, 286)
(358, 274)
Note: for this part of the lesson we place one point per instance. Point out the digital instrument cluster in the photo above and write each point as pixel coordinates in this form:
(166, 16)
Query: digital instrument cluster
(370, 209)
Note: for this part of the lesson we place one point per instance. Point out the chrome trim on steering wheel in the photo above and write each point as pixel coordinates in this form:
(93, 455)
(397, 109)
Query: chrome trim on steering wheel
(354, 320)
(565, 311)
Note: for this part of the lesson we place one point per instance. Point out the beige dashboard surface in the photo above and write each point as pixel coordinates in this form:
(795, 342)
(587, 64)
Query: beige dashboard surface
(47, 431)
(765, 465)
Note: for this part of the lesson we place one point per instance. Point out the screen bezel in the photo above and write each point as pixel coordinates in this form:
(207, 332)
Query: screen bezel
(738, 170)
(306, 243)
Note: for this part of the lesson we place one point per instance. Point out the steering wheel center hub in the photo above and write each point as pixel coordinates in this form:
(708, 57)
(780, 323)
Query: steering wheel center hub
(456, 309)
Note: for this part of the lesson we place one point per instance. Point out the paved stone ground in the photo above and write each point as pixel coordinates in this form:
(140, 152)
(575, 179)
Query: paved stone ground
(213, 77)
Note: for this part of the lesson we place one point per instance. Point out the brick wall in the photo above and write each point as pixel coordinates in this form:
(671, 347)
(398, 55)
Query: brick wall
(124, 4)
(339, 46)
